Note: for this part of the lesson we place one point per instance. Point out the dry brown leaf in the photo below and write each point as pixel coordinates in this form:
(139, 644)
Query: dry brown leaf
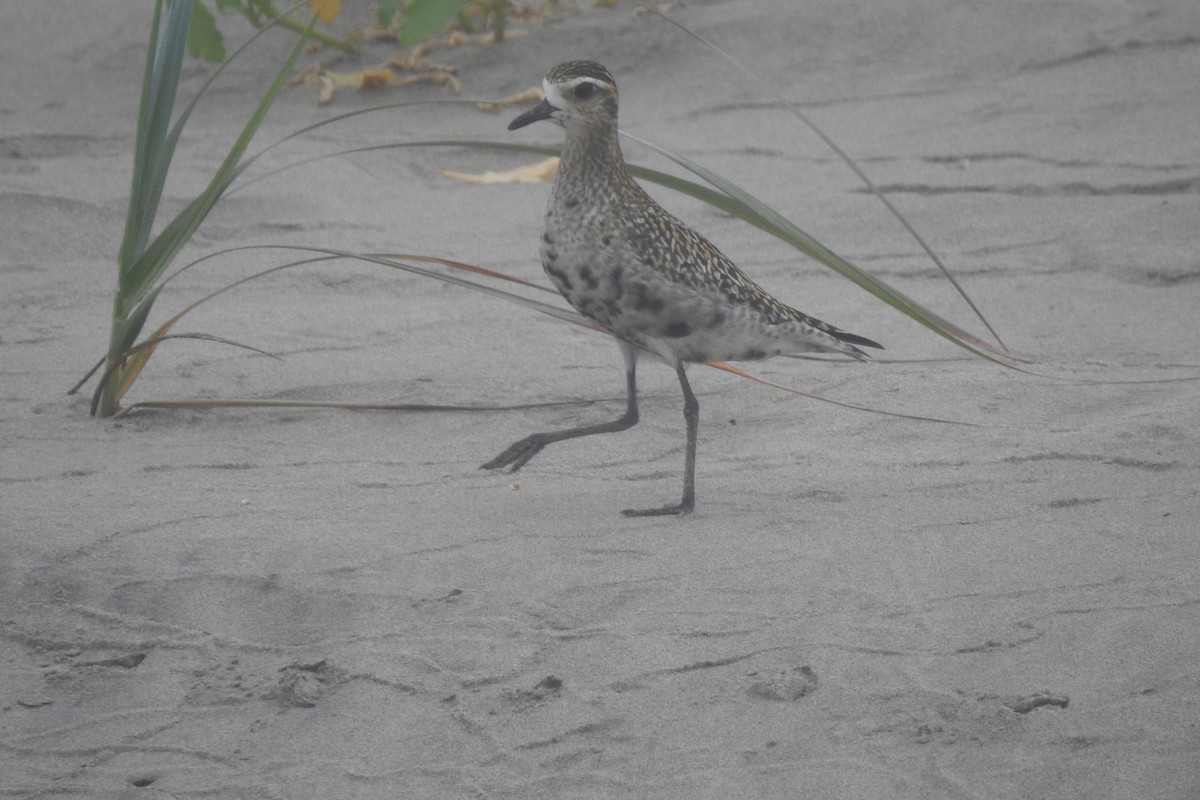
(443, 77)
(310, 76)
(414, 62)
(408, 62)
(415, 59)
(531, 95)
(541, 172)
(375, 31)
(374, 78)
(326, 90)
(363, 80)
(418, 53)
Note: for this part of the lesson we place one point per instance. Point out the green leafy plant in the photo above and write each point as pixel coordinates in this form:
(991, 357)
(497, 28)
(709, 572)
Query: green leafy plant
(206, 41)
(417, 21)
(424, 19)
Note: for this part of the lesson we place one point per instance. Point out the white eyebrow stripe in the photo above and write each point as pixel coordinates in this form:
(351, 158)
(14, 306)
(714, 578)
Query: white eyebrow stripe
(553, 96)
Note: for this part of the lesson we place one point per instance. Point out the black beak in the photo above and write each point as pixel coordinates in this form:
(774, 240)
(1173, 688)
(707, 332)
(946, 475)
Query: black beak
(541, 111)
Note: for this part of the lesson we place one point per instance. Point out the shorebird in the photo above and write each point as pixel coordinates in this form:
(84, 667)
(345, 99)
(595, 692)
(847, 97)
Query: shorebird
(655, 284)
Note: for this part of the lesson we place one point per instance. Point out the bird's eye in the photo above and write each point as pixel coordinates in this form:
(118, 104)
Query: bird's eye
(584, 90)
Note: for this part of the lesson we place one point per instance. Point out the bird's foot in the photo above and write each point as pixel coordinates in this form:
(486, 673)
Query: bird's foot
(678, 509)
(518, 453)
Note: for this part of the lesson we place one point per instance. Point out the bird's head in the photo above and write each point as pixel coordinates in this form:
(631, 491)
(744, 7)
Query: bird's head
(576, 92)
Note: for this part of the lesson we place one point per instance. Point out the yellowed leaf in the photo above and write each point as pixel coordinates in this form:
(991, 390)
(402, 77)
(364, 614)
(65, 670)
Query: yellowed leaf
(329, 81)
(541, 172)
(405, 62)
(129, 371)
(362, 79)
(415, 62)
(375, 78)
(444, 77)
(376, 31)
(307, 77)
(326, 90)
(520, 98)
(325, 10)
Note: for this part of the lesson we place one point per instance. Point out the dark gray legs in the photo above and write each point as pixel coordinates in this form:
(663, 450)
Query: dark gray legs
(519, 453)
(691, 415)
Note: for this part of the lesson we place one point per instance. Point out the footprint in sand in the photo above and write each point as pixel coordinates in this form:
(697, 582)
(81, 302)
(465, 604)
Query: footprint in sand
(784, 685)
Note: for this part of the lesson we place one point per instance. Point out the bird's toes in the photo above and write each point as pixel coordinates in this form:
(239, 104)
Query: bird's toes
(517, 455)
(501, 461)
(676, 510)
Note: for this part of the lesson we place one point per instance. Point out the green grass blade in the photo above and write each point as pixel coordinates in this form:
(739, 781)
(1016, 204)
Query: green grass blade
(164, 88)
(133, 325)
(177, 128)
(682, 185)
(734, 200)
(676, 183)
(393, 262)
(340, 118)
(125, 333)
(558, 312)
(398, 261)
(138, 272)
(133, 214)
(234, 402)
(789, 232)
(158, 256)
(845, 157)
(152, 157)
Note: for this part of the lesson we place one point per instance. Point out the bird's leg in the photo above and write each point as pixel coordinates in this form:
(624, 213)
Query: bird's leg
(691, 415)
(519, 453)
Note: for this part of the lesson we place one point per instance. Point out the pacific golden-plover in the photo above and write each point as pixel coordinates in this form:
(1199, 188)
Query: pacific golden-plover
(623, 261)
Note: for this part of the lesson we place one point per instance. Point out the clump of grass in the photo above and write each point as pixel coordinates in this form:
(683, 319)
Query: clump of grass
(144, 256)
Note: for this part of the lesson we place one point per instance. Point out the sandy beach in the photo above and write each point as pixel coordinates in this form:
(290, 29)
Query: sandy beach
(321, 603)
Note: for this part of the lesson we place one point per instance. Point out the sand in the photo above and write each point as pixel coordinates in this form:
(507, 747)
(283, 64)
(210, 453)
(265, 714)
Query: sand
(292, 603)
